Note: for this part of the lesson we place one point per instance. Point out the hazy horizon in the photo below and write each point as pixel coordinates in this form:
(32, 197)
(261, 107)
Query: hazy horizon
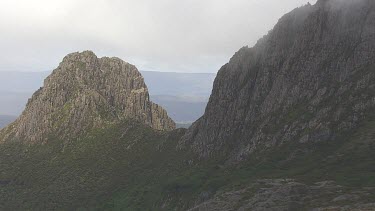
(50, 71)
(166, 36)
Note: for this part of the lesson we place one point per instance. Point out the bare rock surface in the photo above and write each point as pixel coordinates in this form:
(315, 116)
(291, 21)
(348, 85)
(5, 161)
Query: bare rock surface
(287, 194)
(83, 93)
(309, 80)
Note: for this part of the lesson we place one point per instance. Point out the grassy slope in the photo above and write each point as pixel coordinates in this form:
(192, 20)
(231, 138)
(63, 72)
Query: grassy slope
(139, 169)
(85, 173)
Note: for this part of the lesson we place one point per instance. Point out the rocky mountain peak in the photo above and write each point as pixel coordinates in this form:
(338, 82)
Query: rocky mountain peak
(309, 80)
(86, 92)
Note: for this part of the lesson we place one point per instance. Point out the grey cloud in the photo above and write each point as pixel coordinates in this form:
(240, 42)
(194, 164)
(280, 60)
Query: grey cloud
(163, 35)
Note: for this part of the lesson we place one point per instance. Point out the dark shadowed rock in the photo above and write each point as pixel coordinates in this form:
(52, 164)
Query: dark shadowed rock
(309, 80)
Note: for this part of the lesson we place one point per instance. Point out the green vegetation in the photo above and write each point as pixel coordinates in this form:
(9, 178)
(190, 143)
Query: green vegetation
(132, 167)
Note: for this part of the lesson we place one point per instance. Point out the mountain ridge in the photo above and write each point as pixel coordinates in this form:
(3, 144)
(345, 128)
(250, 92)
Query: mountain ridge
(285, 87)
(188, 92)
(83, 93)
(289, 126)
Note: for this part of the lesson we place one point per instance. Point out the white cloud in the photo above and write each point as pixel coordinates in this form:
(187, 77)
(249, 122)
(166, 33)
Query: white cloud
(163, 35)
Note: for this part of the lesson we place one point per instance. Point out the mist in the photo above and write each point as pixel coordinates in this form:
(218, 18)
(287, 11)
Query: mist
(166, 35)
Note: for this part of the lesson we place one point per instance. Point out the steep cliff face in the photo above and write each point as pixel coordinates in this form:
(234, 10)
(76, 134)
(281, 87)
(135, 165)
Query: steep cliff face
(83, 93)
(311, 79)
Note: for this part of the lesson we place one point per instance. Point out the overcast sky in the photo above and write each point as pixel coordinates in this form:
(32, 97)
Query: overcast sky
(156, 35)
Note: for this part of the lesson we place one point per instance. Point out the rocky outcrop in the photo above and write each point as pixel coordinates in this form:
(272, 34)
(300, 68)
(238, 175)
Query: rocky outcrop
(84, 93)
(287, 194)
(311, 79)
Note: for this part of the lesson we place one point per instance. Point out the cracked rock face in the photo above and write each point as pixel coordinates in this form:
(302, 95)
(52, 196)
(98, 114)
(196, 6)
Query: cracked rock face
(309, 80)
(83, 93)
